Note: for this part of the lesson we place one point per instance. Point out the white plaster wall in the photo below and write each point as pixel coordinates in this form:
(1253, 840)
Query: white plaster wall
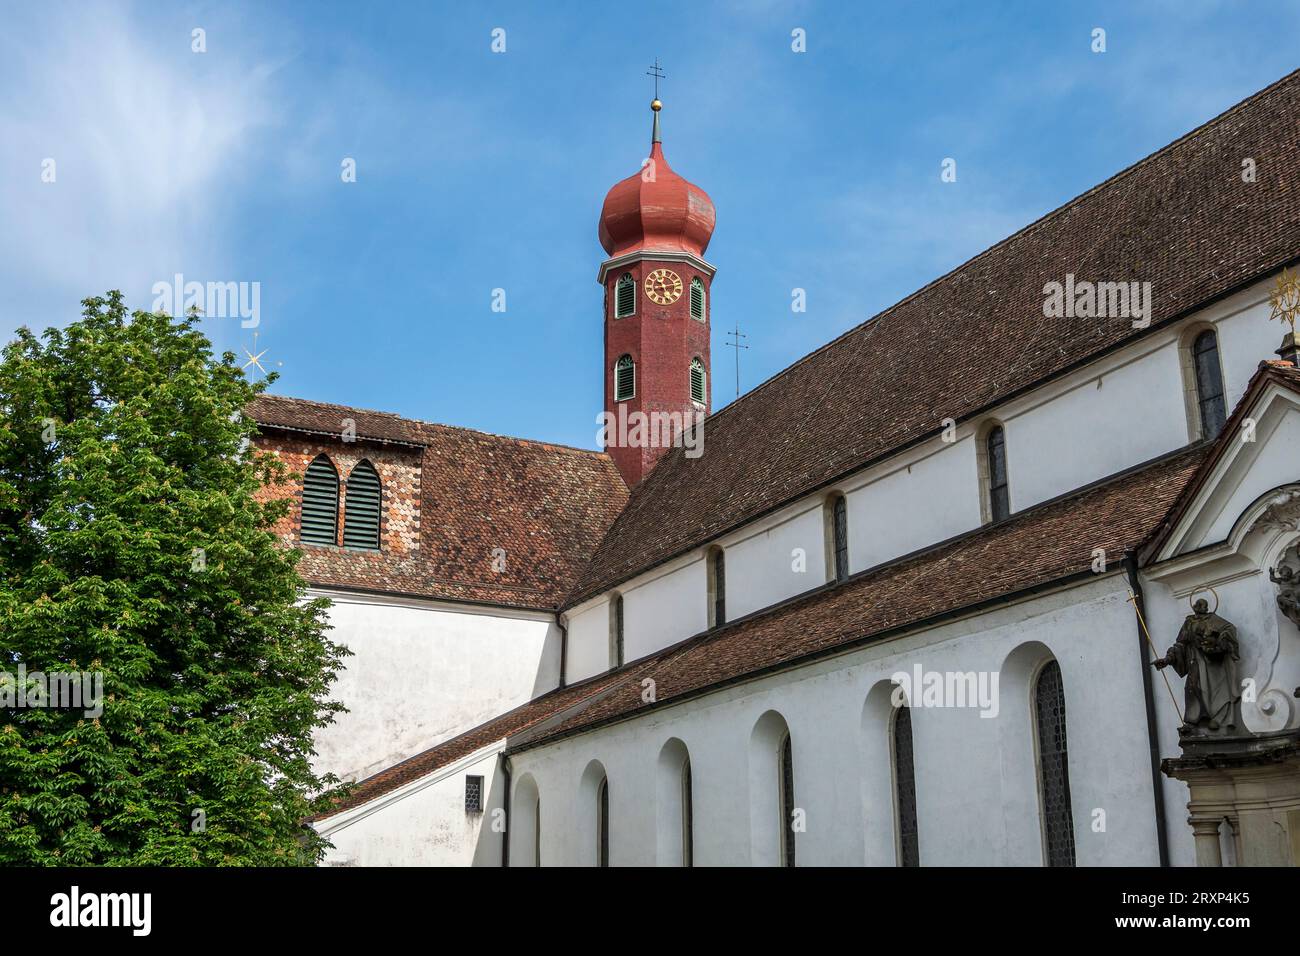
(1106, 424)
(763, 568)
(1246, 338)
(588, 648)
(666, 609)
(911, 507)
(422, 673)
(424, 823)
(963, 789)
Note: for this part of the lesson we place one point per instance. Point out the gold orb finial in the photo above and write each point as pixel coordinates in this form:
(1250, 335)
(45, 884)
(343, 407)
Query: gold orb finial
(656, 105)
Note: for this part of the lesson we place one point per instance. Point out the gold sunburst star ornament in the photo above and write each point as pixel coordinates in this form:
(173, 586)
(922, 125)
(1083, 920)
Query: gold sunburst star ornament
(1285, 299)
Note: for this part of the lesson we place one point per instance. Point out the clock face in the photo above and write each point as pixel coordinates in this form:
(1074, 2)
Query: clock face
(663, 286)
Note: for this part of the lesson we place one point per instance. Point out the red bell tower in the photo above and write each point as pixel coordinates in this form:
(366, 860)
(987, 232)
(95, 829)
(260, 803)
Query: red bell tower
(654, 227)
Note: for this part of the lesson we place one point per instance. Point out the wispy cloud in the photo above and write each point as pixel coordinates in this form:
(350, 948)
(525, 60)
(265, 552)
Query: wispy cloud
(146, 142)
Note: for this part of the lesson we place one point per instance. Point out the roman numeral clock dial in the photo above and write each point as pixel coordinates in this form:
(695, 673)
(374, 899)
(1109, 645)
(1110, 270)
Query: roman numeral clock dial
(663, 287)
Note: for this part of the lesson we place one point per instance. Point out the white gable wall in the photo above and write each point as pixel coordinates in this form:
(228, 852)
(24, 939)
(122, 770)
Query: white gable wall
(423, 672)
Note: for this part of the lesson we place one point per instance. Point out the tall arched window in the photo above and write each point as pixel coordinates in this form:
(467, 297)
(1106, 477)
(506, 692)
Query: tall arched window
(624, 296)
(909, 847)
(717, 575)
(995, 449)
(320, 502)
(361, 511)
(697, 299)
(1054, 769)
(688, 816)
(624, 379)
(537, 833)
(616, 631)
(699, 381)
(602, 824)
(837, 537)
(1209, 383)
(786, 784)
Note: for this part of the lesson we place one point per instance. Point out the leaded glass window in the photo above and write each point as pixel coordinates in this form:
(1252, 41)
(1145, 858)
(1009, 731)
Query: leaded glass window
(1209, 383)
(1054, 768)
(909, 848)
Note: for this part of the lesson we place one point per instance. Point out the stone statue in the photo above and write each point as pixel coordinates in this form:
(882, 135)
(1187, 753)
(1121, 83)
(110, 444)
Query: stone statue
(1287, 578)
(1206, 654)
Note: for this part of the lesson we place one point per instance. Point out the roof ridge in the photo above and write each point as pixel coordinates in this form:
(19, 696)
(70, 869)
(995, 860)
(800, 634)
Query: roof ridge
(1023, 230)
(551, 446)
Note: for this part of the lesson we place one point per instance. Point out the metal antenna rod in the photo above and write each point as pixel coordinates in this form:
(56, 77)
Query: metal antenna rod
(737, 335)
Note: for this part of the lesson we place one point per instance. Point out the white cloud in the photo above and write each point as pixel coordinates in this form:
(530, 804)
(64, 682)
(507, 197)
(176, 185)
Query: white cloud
(143, 133)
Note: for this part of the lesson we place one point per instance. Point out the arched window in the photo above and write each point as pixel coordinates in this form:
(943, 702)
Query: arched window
(697, 299)
(786, 784)
(537, 834)
(320, 502)
(909, 848)
(717, 574)
(624, 379)
(688, 816)
(625, 296)
(1209, 383)
(361, 508)
(1054, 769)
(837, 537)
(699, 386)
(616, 631)
(999, 494)
(602, 823)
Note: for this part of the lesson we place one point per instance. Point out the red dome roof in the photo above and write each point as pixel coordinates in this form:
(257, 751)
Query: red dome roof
(666, 214)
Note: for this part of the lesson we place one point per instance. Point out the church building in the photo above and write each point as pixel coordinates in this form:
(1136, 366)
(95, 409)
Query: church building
(961, 586)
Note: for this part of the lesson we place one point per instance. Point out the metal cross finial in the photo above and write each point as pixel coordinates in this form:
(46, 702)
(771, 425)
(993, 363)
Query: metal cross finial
(658, 74)
(737, 335)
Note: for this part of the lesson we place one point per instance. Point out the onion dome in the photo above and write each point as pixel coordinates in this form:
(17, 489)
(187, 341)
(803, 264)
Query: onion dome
(656, 209)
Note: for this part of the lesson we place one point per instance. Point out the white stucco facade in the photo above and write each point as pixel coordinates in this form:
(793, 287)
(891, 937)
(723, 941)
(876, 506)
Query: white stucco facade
(424, 671)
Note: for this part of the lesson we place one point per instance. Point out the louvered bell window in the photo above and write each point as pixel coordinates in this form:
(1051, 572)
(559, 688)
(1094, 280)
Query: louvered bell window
(698, 381)
(625, 296)
(361, 515)
(624, 379)
(320, 503)
(697, 299)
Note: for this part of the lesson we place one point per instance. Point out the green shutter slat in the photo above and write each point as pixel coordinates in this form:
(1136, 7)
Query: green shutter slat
(361, 513)
(320, 503)
(697, 299)
(625, 296)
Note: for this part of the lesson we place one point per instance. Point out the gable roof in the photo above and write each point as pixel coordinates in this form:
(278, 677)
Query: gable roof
(1181, 219)
(547, 506)
(1271, 372)
(1049, 545)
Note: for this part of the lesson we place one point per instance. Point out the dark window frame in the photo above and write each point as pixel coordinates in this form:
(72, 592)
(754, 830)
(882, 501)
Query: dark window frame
(1207, 367)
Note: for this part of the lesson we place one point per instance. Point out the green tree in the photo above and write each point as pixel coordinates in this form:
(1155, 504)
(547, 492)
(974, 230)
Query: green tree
(136, 540)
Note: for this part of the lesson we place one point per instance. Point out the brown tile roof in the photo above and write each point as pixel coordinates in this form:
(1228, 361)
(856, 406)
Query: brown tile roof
(546, 505)
(1048, 544)
(512, 722)
(1181, 219)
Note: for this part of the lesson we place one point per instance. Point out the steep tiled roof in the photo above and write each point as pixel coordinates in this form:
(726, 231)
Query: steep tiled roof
(1050, 543)
(1181, 219)
(512, 722)
(546, 505)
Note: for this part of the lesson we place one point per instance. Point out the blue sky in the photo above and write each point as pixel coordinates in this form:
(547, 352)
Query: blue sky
(479, 170)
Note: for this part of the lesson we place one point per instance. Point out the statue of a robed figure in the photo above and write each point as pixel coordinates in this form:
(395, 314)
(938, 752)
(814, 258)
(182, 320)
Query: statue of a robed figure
(1206, 654)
